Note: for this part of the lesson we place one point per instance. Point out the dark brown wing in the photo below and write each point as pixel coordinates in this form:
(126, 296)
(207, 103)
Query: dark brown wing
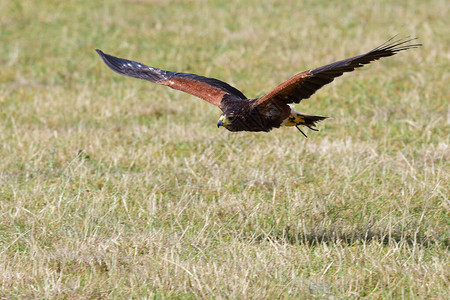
(209, 89)
(303, 85)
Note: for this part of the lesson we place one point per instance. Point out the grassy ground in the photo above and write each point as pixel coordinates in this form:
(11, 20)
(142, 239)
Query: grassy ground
(113, 187)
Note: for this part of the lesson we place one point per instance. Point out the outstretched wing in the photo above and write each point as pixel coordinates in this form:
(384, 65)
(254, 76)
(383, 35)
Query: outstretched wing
(209, 89)
(303, 85)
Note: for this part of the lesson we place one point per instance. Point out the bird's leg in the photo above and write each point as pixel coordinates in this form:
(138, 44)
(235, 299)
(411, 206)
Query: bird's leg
(301, 130)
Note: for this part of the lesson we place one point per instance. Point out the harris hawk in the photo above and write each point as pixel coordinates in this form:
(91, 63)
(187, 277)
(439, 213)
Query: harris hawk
(274, 109)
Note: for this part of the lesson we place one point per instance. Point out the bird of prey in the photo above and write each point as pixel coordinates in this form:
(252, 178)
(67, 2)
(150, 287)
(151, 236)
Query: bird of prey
(274, 109)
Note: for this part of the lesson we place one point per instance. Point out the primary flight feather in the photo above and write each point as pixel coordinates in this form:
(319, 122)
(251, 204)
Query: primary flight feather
(261, 114)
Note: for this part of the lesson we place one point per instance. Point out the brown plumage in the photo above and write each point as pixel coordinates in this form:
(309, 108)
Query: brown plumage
(262, 114)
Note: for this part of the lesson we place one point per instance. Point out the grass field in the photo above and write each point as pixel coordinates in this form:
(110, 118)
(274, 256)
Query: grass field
(112, 187)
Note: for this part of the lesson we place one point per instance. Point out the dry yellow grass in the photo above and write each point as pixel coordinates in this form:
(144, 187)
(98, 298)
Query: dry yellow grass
(112, 187)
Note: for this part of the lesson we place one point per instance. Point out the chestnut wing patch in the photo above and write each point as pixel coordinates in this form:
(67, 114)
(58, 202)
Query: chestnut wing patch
(209, 89)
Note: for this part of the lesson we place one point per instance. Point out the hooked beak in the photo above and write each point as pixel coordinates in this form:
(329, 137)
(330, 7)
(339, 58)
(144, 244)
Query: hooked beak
(222, 121)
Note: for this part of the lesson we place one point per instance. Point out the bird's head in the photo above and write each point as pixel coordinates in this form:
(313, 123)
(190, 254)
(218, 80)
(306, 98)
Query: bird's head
(227, 121)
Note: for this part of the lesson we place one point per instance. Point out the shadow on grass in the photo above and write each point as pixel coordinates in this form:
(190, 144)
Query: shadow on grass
(333, 236)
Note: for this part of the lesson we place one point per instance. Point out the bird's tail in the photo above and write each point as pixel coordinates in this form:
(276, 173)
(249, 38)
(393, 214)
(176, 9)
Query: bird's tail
(310, 120)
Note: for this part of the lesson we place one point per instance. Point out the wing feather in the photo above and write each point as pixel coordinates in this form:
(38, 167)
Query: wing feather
(209, 89)
(305, 84)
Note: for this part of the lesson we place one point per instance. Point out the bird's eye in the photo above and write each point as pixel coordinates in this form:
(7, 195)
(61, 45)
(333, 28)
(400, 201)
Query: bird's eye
(231, 118)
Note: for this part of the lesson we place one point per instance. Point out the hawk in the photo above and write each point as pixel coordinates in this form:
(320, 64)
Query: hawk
(273, 110)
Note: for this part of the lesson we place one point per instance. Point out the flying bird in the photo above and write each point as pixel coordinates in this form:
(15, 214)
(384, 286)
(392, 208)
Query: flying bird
(273, 110)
